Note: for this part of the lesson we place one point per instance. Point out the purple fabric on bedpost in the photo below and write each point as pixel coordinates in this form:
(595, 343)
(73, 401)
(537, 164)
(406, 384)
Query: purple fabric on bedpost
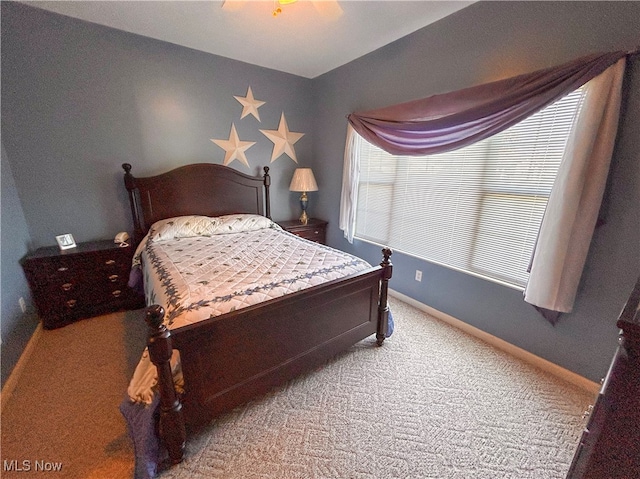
(141, 424)
(135, 281)
(390, 325)
(453, 120)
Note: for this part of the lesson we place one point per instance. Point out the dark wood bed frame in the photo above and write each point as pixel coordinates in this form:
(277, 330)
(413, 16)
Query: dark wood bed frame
(232, 358)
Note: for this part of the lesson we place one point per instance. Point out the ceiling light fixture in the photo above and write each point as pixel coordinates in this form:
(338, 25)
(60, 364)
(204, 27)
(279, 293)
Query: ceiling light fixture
(328, 9)
(277, 10)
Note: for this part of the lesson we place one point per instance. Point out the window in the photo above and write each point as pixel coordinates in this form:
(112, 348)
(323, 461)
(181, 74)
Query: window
(477, 209)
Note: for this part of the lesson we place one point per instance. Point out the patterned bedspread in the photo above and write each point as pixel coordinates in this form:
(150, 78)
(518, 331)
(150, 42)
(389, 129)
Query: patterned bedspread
(200, 267)
(196, 278)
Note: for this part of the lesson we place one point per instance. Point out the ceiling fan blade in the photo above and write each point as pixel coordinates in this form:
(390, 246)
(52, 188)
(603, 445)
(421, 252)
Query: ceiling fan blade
(328, 8)
(232, 5)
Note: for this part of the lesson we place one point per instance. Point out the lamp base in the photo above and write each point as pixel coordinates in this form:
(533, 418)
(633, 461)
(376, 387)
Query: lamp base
(303, 204)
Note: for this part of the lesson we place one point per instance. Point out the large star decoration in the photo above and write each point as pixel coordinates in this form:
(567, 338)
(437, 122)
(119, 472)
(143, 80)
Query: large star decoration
(249, 104)
(283, 140)
(234, 148)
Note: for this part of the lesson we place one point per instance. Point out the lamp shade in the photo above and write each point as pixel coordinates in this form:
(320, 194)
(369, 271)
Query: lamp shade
(303, 180)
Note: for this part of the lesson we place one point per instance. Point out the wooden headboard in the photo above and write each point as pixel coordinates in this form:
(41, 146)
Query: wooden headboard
(198, 189)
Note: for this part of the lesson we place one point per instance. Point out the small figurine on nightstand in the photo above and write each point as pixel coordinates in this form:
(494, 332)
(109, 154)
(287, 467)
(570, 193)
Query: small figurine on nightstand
(122, 239)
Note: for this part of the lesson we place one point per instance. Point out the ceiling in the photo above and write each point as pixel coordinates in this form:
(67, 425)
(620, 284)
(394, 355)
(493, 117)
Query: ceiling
(308, 38)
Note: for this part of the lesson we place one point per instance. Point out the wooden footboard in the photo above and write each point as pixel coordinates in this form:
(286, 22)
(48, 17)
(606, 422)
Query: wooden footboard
(230, 359)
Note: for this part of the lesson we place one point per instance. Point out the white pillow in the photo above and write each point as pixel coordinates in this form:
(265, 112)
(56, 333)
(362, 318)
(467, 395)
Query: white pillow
(182, 227)
(242, 222)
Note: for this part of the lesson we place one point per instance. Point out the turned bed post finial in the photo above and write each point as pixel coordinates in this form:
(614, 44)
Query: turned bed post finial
(383, 306)
(267, 184)
(172, 427)
(130, 184)
(128, 177)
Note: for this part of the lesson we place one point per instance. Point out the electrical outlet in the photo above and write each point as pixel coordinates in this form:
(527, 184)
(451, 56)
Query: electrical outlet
(23, 305)
(418, 275)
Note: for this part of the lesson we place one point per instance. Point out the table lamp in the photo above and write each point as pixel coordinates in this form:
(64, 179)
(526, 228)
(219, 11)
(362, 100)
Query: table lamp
(303, 181)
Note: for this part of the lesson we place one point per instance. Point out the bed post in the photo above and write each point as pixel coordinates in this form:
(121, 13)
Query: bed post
(383, 306)
(267, 183)
(130, 184)
(172, 428)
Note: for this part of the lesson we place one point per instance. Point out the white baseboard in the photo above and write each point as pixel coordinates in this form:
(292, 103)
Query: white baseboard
(12, 380)
(545, 365)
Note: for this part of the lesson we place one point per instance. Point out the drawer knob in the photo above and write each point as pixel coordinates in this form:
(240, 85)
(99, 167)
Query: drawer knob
(63, 268)
(67, 286)
(116, 293)
(113, 278)
(110, 262)
(71, 303)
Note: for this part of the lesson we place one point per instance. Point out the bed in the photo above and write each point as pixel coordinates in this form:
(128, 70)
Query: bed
(230, 358)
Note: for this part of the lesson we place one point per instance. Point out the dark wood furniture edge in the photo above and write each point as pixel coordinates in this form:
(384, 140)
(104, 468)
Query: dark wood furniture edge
(172, 426)
(295, 224)
(314, 230)
(383, 304)
(629, 320)
(604, 448)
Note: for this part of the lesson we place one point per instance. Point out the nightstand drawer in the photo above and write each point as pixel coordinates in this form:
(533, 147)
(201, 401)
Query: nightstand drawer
(75, 284)
(316, 234)
(314, 230)
(59, 269)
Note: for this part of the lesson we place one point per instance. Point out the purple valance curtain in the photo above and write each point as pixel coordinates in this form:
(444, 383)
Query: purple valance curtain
(452, 120)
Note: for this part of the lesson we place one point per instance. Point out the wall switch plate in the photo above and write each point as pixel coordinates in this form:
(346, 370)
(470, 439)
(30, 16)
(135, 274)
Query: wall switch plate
(418, 275)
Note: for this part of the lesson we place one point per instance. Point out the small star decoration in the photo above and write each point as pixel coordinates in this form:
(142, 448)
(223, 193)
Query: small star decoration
(249, 104)
(234, 148)
(283, 140)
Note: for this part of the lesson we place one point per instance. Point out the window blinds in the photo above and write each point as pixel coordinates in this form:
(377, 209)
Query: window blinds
(477, 209)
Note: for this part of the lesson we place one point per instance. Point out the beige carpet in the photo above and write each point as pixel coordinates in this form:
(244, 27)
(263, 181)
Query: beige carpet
(65, 406)
(431, 403)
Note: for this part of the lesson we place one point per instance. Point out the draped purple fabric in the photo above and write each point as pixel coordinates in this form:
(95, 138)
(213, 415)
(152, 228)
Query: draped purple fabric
(453, 120)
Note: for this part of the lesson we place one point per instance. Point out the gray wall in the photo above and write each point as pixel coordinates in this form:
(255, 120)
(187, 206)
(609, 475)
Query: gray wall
(78, 100)
(483, 42)
(15, 327)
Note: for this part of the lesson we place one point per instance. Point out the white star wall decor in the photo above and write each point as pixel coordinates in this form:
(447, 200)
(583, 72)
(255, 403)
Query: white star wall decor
(283, 140)
(249, 104)
(234, 148)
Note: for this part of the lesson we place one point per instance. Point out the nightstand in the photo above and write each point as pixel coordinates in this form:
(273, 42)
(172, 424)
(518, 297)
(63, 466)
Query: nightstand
(81, 282)
(315, 229)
